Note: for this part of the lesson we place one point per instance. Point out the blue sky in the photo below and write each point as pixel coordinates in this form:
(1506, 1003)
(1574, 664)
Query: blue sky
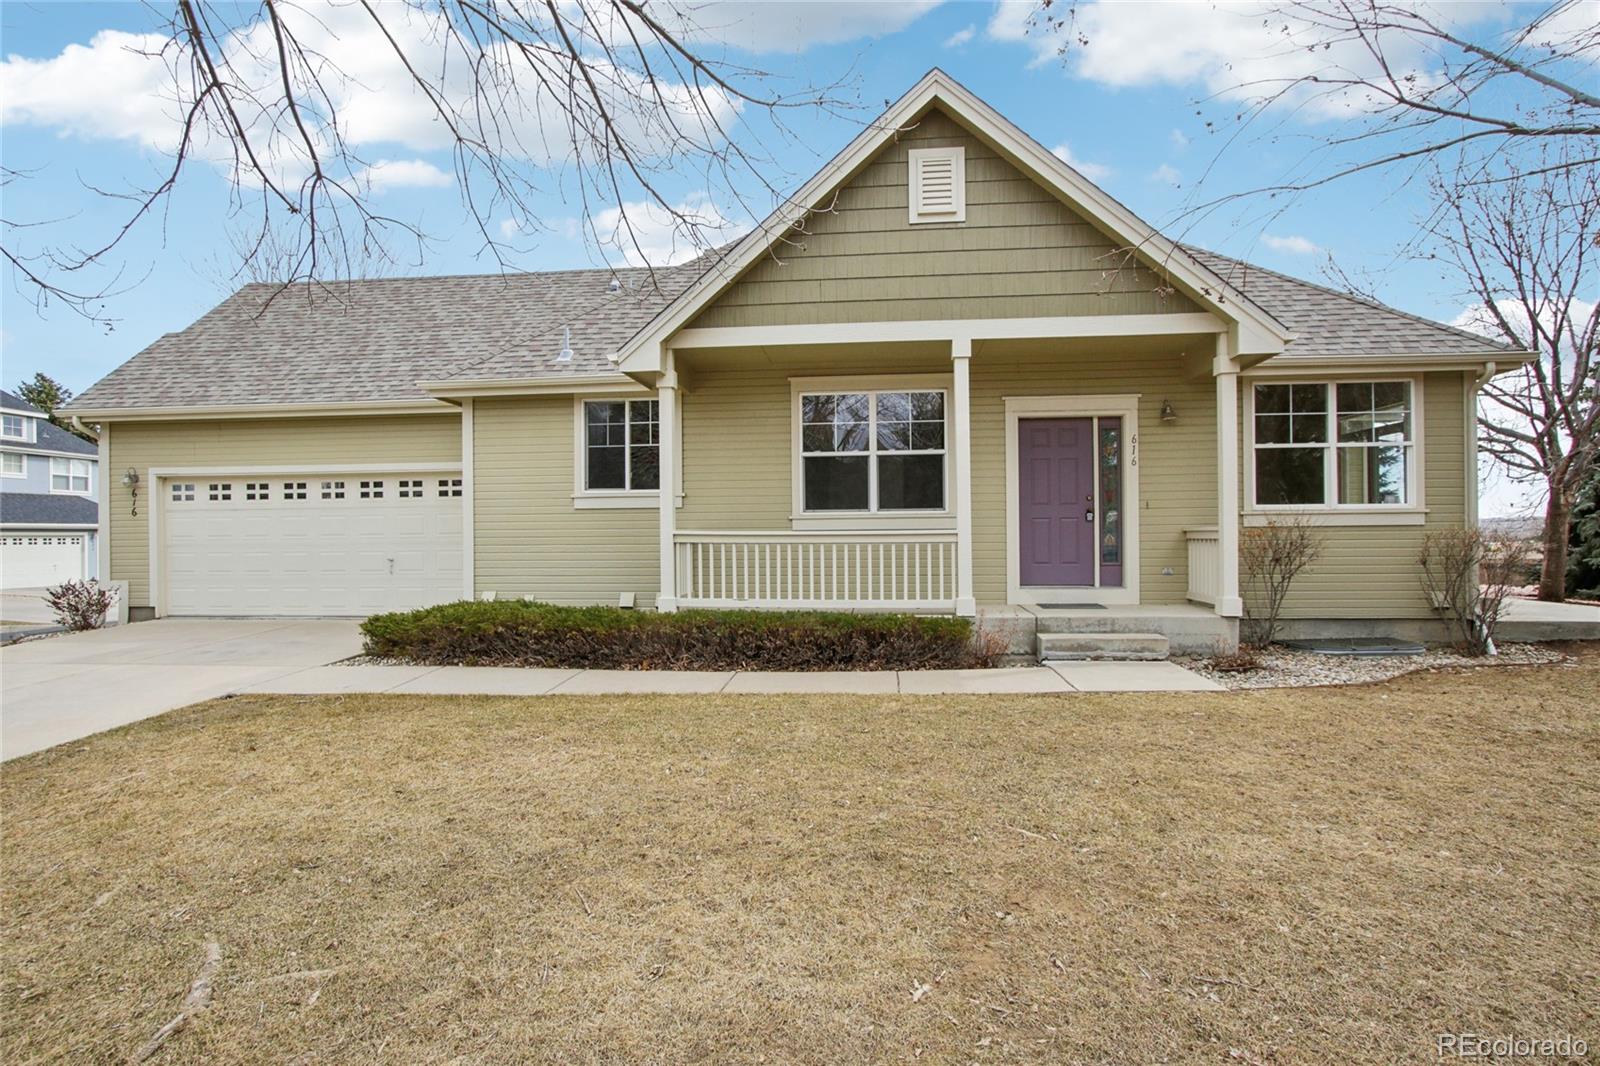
(1126, 115)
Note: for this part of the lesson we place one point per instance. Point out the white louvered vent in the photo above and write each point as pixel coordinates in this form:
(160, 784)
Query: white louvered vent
(938, 184)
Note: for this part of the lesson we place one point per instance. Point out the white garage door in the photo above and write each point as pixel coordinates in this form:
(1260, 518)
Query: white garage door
(313, 544)
(34, 562)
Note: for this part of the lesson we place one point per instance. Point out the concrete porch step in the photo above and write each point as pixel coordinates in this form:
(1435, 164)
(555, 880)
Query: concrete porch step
(1122, 646)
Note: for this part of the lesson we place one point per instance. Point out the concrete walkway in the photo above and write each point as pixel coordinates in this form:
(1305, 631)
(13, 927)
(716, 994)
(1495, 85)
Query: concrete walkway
(67, 687)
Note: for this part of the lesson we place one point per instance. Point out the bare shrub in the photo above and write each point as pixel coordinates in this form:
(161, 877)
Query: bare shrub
(80, 604)
(1270, 558)
(1467, 575)
(1243, 661)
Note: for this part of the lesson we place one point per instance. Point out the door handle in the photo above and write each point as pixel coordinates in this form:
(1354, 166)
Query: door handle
(1088, 516)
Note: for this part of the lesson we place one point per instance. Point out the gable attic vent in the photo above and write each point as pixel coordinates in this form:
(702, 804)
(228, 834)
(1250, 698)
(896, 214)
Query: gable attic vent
(938, 190)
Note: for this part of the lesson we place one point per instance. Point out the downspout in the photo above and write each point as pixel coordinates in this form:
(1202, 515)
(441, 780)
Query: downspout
(77, 424)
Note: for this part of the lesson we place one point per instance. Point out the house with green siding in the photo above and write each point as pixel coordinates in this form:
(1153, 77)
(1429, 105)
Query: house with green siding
(949, 374)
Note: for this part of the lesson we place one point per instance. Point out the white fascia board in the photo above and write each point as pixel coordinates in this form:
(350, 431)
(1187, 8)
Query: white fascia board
(971, 329)
(75, 526)
(641, 353)
(265, 410)
(1290, 367)
(544, 386)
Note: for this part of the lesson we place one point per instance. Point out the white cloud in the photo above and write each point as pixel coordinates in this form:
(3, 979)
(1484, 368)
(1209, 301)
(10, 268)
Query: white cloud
(124, 87)
(1178, 139)
(1092, 171)
(510, 227)
(1478, 319)
(790, 25)
(961, 37)
(1235, 48)
(1167, 174)
(646, 234)
(388, 174)
(1290, 244)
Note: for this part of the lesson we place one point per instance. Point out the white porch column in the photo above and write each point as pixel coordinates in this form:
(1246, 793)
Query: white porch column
(667, 417)
(961, 423)
(1226, 372)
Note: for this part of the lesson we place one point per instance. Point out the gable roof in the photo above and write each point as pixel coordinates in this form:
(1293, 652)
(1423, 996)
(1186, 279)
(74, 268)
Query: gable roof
(1338, 325)
(373, 341)
(12, 402)
(53, 440)
(1262, 333)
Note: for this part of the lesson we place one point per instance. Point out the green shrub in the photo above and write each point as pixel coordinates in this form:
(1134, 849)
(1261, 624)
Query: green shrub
(522, 633)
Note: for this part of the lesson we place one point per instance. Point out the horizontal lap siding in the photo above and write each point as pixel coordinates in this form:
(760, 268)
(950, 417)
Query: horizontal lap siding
(1371, 571)
(1021, 253)
(1177, 462)
(529, 539)
(276, 442)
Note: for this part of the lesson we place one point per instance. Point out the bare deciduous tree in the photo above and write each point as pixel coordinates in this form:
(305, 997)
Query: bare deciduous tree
(614, 106)
(1271, 558)
(1527, 250)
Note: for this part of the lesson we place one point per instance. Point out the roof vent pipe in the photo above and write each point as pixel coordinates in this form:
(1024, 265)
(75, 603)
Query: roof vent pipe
(566, 345)
(614, 286)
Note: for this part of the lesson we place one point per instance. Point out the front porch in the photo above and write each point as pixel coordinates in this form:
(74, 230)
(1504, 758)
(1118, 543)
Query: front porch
(1155, 414)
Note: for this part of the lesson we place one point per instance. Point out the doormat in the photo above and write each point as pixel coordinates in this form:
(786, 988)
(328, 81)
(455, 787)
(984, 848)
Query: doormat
(1357, 646)
(1072, 606)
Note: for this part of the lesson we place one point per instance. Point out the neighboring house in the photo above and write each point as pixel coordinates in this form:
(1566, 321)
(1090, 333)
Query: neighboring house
(48, 513)
(964, 377)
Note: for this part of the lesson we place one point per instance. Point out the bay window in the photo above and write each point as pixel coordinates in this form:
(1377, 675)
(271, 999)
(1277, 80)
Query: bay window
(621, 446)
(1333, 444)
(873, 450)
(69, 475)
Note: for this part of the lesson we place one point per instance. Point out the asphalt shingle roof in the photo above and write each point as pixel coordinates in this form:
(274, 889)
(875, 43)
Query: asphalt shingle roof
(42, 509)
(16, 403)
(374, 340)
(1331, 323)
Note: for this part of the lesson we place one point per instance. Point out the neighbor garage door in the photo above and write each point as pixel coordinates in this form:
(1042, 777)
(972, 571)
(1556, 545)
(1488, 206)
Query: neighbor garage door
(34, 562)
(311, 544)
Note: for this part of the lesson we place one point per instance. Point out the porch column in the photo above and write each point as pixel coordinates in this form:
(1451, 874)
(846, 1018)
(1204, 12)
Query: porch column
(961, 423)
(667, 420)
(1226, 371)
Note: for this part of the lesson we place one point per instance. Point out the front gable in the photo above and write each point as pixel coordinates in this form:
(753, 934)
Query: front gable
(1019, 253)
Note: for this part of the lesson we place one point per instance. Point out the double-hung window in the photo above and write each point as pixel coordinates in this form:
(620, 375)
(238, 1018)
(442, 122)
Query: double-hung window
(14, 427)
(621, 446)
(873, 451)
(69, 475)
(15, 463)
(1334, 444)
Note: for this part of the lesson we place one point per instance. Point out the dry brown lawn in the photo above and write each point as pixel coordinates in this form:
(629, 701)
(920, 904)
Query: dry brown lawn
(1328, 875)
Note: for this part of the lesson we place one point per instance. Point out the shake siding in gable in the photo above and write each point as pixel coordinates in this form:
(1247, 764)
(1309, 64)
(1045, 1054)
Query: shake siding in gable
(265, 442)
(1020, 253)
(530, 541)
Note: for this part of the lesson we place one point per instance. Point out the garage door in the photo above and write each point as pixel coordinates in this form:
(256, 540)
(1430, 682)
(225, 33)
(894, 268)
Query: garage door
(311, 544)
(34, 562)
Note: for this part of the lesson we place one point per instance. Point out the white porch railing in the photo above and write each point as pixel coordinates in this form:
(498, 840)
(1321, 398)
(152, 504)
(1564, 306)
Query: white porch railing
(899, 570)
(1205, 564)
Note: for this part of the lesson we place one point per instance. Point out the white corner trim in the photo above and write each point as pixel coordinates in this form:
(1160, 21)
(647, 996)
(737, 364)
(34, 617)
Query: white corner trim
(102, 541)
(469, 449)
(1124, 406)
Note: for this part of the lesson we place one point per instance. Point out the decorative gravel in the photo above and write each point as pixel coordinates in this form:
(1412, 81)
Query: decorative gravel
(1287, 668)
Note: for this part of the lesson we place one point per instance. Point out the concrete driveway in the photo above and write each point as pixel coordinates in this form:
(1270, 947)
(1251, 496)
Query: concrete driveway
(70, 686)
(25, 605)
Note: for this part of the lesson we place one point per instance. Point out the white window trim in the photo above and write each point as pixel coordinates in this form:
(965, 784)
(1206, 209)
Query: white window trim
(800, 518)
(1412, 512)
(914, 160)
(20, 473)
(1124, 406)
(30, 429)
(71, 464)
(587, 499)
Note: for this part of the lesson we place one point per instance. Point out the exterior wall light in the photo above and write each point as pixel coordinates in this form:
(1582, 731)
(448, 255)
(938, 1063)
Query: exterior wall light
(1169, 415)
(130, 481)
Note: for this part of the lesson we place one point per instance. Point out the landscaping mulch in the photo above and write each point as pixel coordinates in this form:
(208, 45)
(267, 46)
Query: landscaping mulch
(1283, 667)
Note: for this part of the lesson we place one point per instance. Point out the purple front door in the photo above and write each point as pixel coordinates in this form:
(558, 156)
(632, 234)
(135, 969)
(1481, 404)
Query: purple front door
(1055, 502)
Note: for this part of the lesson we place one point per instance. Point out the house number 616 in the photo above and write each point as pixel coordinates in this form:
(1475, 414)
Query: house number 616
(1133, 449)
